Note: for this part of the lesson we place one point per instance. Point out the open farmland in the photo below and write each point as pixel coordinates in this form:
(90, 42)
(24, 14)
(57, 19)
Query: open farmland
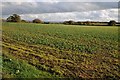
(57, 50)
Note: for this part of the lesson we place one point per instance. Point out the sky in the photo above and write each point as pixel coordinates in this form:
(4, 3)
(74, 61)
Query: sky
(62, 10)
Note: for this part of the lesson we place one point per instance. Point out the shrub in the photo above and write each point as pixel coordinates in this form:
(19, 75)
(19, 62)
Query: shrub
(24, 21)
(69, 22)
(37, 21)
(112, 23)
(14, 18)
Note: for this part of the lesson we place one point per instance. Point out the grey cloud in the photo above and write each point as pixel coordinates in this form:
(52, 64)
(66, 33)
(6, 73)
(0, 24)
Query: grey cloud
(9, 8)
(60, 1)
(100, 15)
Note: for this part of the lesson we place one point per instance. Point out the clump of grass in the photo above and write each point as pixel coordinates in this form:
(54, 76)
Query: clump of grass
(13, 68)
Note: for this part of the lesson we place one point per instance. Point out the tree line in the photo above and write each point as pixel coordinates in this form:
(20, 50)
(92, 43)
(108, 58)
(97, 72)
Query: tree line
(92, 23)
(17, 18)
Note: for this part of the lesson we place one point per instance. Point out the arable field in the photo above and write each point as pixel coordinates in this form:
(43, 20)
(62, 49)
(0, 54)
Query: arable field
(57, 50)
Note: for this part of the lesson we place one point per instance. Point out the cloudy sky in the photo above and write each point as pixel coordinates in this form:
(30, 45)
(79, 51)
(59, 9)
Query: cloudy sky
(62, 10)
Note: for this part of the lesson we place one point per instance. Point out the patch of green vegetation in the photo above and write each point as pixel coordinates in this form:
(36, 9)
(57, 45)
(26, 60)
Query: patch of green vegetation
(67, 37)
(14, 68)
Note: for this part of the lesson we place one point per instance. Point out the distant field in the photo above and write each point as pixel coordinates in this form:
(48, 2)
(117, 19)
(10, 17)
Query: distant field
(57, 50)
